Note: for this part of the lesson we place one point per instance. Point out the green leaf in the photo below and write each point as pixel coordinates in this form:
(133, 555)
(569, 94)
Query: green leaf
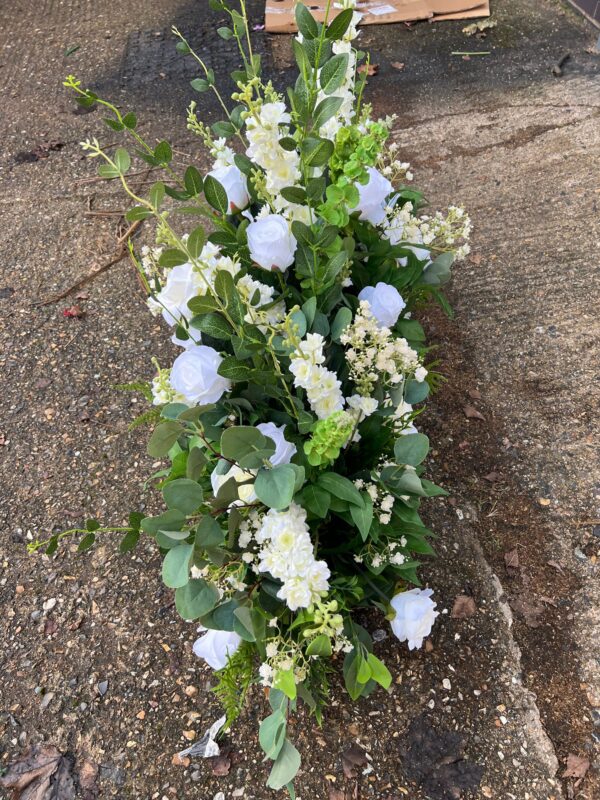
(225, 32)
(409, 483)
(214, 325)
(340, 487)
(285, 767)
(176, 566)
(196, 598)
(122, 160)
(167, 521)
(379, 672)
(163, 438)
(333, 73)
(195, 242)
(309, 309)
(137, 212)
(193, 181)
(411, 448)
(342, 319)
(107, 171)
(235, 370)
(130, 121)
(242, 624)
(223, 129)
(307, 24)
(286, 682)
(325, 110)
(200, 85)
(316, 500)
(363, 671)
(225, 289)
(157, 194)
(87, 542)
(183, 494)
(163, 152)
(316, 151)
(438, 272)
(172, 258)
(319, 646)
(416, 392)
(275, 487)
(363, 516)
(209, 533)
(294, 194)
(215, 194)
(271, 734)
(340, 24)
(195, 463)
(243, 441)
(129, 541)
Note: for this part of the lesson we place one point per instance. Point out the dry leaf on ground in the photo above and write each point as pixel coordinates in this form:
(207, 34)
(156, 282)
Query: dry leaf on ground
(472, 413)
(352, 759)
(577, 766)
(220, 764)
(511, 559)
(88, 773)
(398, 65)
(42, 773)
(370, 69)
(464, 606)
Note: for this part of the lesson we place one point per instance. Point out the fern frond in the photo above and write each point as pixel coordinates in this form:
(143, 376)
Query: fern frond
(234, 681)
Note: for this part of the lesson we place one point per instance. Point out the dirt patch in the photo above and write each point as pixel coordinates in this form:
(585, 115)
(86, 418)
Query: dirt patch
(477, 464)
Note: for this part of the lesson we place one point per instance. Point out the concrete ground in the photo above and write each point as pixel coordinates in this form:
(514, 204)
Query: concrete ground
(94, 659)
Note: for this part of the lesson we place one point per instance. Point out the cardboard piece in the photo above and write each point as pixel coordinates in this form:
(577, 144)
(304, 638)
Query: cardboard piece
(279, 14)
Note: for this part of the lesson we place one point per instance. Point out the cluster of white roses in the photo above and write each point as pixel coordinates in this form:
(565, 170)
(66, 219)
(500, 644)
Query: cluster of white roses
(286, 552)
(322, 387)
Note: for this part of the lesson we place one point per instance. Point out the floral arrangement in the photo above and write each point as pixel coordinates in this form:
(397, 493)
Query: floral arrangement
(288, 418)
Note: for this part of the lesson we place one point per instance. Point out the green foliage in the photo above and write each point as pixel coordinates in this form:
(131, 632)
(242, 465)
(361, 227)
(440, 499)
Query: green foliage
(341, 480)
(234, 680)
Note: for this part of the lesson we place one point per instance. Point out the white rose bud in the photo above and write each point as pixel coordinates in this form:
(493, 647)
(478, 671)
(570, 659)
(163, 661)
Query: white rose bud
(385, 301)
(183, 283)
(271, 243)
(372, 196)
(234, 183)
(415, 615)
(284, 450)
(194, 375)
(215, 647)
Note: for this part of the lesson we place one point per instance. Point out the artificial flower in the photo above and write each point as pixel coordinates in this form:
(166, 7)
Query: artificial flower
(415, 615)
(194, 376)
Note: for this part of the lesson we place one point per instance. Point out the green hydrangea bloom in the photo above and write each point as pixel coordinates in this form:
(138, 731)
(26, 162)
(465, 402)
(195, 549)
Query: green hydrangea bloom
(329, 436)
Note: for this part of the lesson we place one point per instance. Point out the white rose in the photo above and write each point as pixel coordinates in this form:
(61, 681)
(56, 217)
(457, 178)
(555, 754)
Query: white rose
(194, 375)
(234, 183)
(415, 615)
(215, 647)
(371, 197)
(244, 479)
(385, 301)
(271, 243)
(284, 450)
(183, 283)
